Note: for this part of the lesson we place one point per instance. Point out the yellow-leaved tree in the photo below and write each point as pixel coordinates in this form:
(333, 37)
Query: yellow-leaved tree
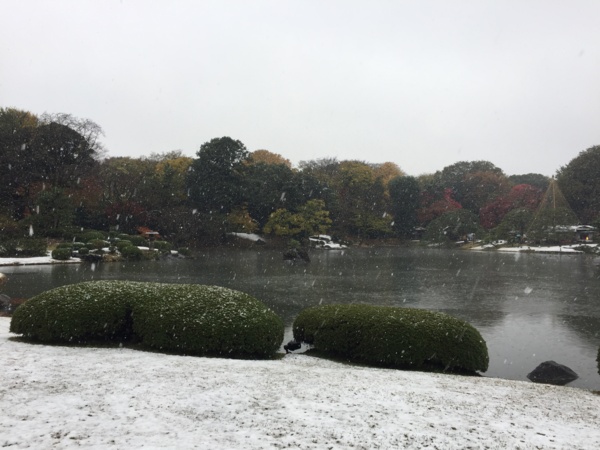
(310, 219)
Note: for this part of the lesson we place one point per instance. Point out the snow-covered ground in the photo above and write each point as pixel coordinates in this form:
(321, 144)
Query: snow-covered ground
(35, 260)
(548, 249)
(249, 236)
(117, 398)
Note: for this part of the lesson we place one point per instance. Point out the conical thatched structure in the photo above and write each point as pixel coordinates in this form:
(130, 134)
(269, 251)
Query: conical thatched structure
(554, 217)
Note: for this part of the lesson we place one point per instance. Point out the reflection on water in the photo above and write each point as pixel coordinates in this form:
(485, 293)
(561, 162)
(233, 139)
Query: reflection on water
(529, 307)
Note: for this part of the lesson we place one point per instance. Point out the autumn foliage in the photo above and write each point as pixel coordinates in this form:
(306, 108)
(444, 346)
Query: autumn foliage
(520, 196)
(435, 209)
(226, 188)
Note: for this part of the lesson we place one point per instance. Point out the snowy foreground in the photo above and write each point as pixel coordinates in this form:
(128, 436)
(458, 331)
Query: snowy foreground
(68, 397)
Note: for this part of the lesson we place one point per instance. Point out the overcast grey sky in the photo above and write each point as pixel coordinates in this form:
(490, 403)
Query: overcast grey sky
(422, 83)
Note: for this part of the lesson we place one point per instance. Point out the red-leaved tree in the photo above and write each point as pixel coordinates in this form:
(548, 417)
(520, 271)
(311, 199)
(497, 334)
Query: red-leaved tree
(432, 209)
(520, 196)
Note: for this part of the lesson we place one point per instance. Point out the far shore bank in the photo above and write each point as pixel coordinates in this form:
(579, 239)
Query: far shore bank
(257, 244)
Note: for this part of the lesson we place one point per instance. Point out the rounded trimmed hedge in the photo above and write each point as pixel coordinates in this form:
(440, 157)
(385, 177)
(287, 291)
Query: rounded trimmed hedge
(62, 253)
(131, 253)
(393, 337)
(122, 244)
(138, 240)
(163, 246)
(78, 313)
(98, 244)
(208, 320)
(91, 235)
(181, 318)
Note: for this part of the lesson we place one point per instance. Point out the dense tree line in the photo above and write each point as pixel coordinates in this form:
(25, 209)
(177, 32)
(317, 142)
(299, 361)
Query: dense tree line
(55, 179)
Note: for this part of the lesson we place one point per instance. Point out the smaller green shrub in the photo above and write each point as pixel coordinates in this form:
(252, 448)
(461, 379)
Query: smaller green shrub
(151, 255)
(75, 313)
(393, 337)
(91, 235)
(132, 253)
(135, 239)
(78, 245)
(122, 244)
(83, 251)
(139, 241)
(162, 246)
(98, 244)
(61, 254)
(65, 245)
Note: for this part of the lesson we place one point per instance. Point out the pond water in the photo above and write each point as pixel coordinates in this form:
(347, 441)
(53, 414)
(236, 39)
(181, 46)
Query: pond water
(529, 308)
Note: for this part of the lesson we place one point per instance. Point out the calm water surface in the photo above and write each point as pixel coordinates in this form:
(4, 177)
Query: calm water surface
(529, 308)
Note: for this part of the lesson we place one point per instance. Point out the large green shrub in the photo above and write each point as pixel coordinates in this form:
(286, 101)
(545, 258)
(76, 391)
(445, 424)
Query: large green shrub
(188, 319)
(62, 253)
(122, 244)
(163, 246)
(97, 244)
(91, 235)
(393, 337)
(207, 320)
(138, 240)
(131, 253)
(75, 313)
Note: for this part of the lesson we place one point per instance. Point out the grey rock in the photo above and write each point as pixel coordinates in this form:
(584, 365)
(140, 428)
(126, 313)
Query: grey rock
(550, 372)
(292, 345)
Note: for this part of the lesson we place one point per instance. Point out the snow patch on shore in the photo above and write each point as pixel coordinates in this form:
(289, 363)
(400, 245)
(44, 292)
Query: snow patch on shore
(548, 249)
(36, 260)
